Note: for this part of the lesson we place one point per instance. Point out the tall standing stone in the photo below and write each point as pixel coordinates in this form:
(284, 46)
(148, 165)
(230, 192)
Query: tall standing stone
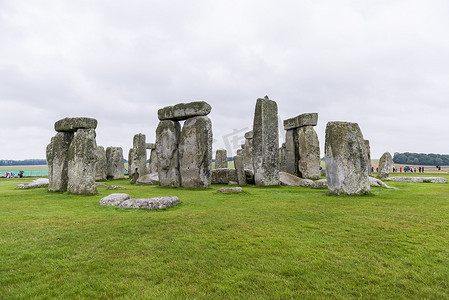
(153, 161)
(238, 165)
(368, 150)
(292, 152)
(195, 152)
(248, 151)
(167, 142)
(385, 163)
(266, 143)
(139, 163)
(115, 163)
(309, 153)
(130, 161)
(346, 158)
(57, 160)
(221, 159)
(81, 163)
(282, 162)
(101, 165)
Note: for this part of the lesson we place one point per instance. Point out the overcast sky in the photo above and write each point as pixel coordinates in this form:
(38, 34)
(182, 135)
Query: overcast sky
(383, 64)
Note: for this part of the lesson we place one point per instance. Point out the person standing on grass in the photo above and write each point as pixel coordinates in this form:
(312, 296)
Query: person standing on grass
(422, 169)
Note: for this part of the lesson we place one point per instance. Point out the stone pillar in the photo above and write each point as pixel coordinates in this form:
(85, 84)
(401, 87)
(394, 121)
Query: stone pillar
(248, 151)
(82, 161)
(115, 163)
(130, 162)
(238, 165)
(368, 150)
(385, 163)
(195, 152)
(153, 161)
(139, 164)
(101, 165)
(266, 143)
(346, 158)
(282, 162)
(309, 153)
(302, 147)
(167, 140)
(221, 159)
(57, 161)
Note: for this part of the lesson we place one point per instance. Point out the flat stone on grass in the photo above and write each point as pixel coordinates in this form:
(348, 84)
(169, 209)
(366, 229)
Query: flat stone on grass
(230, 190)
(151, 203)
(114, 199)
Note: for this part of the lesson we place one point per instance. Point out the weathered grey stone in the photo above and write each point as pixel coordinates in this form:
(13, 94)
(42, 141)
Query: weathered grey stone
(58, 161)
(385, 163)
(238, 164)
(195, 152)
(307, 119)
(346, 158)
(167, 141)
(152, 178)
(221, 159)
(40, 182)
(309, 153)
(321, 183)
(418, 179)
(151, 203)
(115, 163)
(116, 187)
(100, 184)
(153, 162)
(240, 152)
(82, 161)
(292, 152)
(266, 143)
(114, 199)
(101, 164)
(368, 149)
(230, 190)
(292, 180)
(249, 135)
(184, 111)
(151, 146)
(73, 124)
(130, 161)
(247, 152)
(378, 182)
(139, 162)
(233, 183)
(224, 176)
(282, 161)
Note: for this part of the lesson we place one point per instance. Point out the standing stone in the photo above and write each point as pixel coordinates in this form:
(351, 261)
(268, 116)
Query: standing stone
(115, 163)
(82, 160)
(238, 164)
(153, 161)
(346, 157)
(248, 151)
(130, 161)
(101, 165)
(282, 162)
(368, 150)
(240, 152)
(195, 152)
(57, 160)
(167, 141)
(139, 163)
(309, 153)
(385, 163)
(292, 152)
(221, 159)
(266, 143)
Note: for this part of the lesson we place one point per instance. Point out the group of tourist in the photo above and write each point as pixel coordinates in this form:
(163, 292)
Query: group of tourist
(408, 169)
(12, 174)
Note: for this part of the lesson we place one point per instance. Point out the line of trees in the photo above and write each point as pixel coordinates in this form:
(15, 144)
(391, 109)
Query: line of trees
(26, 162)
(431, 159)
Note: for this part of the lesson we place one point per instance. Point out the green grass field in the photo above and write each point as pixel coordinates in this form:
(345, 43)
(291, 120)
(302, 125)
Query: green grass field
(270, 243)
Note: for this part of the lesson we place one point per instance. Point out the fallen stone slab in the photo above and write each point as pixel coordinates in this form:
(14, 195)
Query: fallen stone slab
(287, 179)
(114, 199)
(377, 182)
(116, 187)
(226, 175)
(151, 203)
(230, 190)
(40, 182)
(320, 183)
(418, 179)
(307, 119)
(152, 178)
(73, 124)
(184, 111)
(100, 184)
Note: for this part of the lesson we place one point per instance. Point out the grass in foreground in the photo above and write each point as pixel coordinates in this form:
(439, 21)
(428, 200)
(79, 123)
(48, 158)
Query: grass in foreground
(279, 242)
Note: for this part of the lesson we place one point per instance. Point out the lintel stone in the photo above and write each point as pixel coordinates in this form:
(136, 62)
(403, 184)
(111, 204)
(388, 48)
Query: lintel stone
(183, 111)
(73, 124)
(307, 119)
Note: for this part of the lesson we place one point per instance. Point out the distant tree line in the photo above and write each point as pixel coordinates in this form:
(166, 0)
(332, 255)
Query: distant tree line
(431, 159)
(26, 162)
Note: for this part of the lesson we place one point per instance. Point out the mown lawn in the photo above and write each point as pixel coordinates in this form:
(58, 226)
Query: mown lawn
(272, 243)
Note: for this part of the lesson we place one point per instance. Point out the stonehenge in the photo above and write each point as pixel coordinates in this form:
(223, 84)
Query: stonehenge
(302, 148)
(115, 165)
(346, 159)
(221, 159)
(266, 143)
(385, 163)
(184, 155)
(101, 166)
